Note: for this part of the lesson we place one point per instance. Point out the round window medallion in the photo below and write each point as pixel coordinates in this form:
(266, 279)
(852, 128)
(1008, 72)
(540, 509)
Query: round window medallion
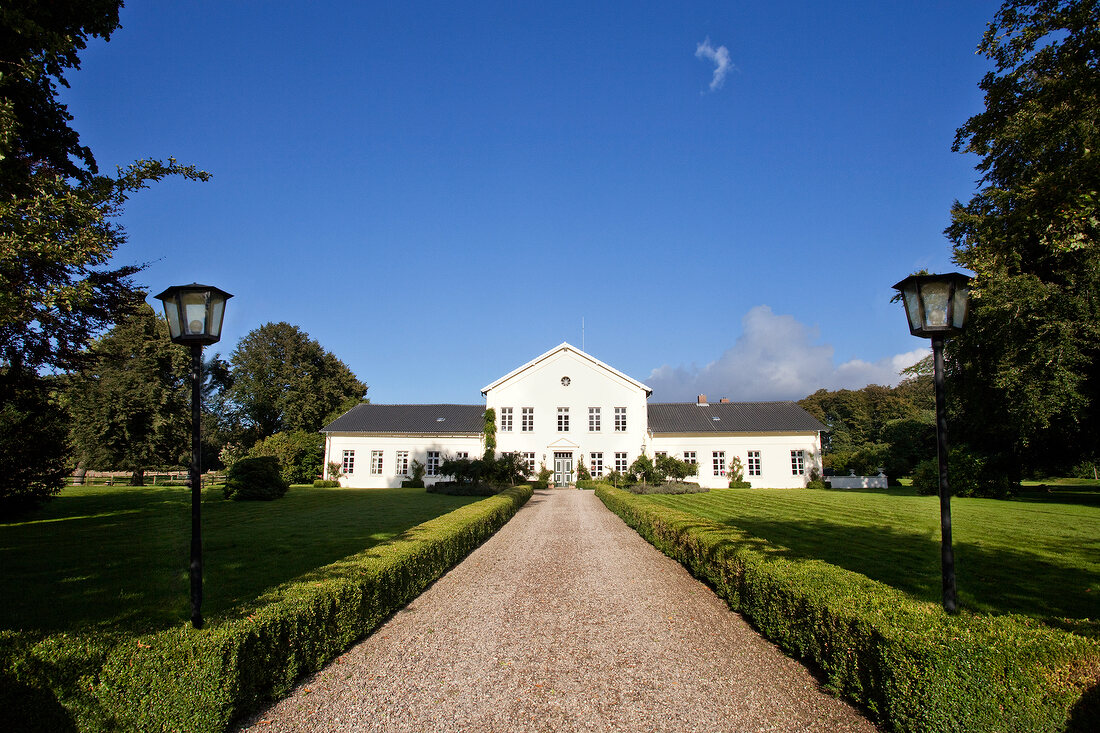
(565, 381)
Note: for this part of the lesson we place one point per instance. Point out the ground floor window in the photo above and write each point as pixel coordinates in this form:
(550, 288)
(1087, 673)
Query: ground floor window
(376, 462)
(689, 457)
(402, 463)
(754, 463)
(620, 462)
(529, 459)
(596, 464)
(432, 465)
(349, 461)
(718, 459)
(462, 455)
(798, 462)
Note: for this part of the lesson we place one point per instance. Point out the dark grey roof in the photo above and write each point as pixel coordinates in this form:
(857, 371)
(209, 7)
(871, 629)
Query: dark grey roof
(732, 417)
(410, 419)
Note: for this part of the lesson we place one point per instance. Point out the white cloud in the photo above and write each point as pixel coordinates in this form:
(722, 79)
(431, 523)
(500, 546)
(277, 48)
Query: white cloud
(774, 358)
(720, 57)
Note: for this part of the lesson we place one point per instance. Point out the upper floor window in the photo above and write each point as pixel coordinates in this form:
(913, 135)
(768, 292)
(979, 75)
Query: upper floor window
(620, 419)
(527, 419)
(506, 419)
(593, 419)
(349, 461)
(563, 419)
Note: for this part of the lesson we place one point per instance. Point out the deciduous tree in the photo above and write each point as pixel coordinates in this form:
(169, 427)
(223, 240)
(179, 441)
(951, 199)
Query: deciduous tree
(283, 380)
(1027, 369)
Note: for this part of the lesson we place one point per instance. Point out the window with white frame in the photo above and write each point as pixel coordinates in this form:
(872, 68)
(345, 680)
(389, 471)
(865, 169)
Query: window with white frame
(376, 462)
(462, 455)
(620, 462)
(593, 419)
(401, 463)
(620, 419)
(527, 419)
(432, 465)
(563, 419)
(754, 463)
(798, 462)
(595, 464)
(689, 457)
(660, 454)
(506, 419)
(529, 459)
(349, 461)
(718, 460)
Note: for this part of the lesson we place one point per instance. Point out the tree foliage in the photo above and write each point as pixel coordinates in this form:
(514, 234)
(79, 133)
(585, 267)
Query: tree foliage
(284, 381)
(301, 454)
(878, 427)
(131, 403)
(1027, 369)
(57, 230)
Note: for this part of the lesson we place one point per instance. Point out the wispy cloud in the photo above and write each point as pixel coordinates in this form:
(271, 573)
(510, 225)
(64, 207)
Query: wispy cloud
(774, 358)
(720, 57)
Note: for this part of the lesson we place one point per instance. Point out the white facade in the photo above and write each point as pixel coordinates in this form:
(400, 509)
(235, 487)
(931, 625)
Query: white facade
(560, 409)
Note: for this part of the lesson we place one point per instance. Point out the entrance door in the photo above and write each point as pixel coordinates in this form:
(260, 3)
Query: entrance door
(563, 468)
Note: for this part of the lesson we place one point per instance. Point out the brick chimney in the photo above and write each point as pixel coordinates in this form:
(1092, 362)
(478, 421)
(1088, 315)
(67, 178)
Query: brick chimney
(702, 399)
(724, 400)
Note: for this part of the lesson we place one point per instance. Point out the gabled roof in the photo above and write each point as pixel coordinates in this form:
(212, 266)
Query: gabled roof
(449, 419)
(730, 417)
(565, 346)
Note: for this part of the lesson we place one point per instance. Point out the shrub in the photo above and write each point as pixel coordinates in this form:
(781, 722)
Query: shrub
(201, 681)
(417, 480)
(454, 488)
(736, 473)
(643, 471)
(967, 475)
(912, 667)
(582, 473)
(544, 476)
(674, 468)
(325, 484)
(300, 454)
(255, 478)
(816, 484)
(677, 487)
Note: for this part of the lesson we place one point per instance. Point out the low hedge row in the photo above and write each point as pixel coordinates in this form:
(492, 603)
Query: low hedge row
(187, 680)
(907, 663)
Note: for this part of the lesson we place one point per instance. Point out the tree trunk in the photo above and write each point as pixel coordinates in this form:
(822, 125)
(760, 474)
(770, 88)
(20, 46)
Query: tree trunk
(137, 478)
(79, 473)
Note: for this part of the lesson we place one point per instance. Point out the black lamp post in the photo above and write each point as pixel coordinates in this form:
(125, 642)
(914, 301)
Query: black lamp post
(936, 306)
(194, 314)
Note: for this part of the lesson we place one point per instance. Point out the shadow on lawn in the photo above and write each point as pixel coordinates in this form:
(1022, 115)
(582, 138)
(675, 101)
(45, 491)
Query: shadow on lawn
(992, 581)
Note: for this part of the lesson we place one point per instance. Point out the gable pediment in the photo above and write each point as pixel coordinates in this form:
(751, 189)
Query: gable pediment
(563, 443)
(562, 352)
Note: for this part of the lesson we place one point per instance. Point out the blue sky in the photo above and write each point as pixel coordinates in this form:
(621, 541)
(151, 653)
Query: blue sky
(439, 192)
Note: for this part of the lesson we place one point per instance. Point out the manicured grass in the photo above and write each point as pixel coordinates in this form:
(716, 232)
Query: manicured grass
(1038, 555)
(117, 557)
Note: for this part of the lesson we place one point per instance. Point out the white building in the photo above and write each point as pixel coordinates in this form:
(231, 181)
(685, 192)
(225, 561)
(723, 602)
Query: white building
(565, 407)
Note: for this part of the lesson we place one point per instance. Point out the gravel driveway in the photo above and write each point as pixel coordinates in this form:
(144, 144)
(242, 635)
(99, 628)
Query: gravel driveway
(565, 620)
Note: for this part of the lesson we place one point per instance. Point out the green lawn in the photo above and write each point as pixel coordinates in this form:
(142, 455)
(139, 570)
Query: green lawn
(1037, 555)
(117, 557)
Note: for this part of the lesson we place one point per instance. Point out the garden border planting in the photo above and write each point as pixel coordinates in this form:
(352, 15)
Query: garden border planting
(201, 680)
(913, 668)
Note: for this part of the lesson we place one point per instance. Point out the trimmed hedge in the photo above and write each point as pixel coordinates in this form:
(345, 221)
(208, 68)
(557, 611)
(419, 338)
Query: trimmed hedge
(183, 679)
(912, 667)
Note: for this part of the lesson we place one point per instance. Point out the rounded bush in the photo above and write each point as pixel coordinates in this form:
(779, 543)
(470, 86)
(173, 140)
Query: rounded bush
(255, 478)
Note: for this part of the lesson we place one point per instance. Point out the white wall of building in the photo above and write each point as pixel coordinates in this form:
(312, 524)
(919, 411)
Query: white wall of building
(775, 456)
(417, 446)
(590, 384)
